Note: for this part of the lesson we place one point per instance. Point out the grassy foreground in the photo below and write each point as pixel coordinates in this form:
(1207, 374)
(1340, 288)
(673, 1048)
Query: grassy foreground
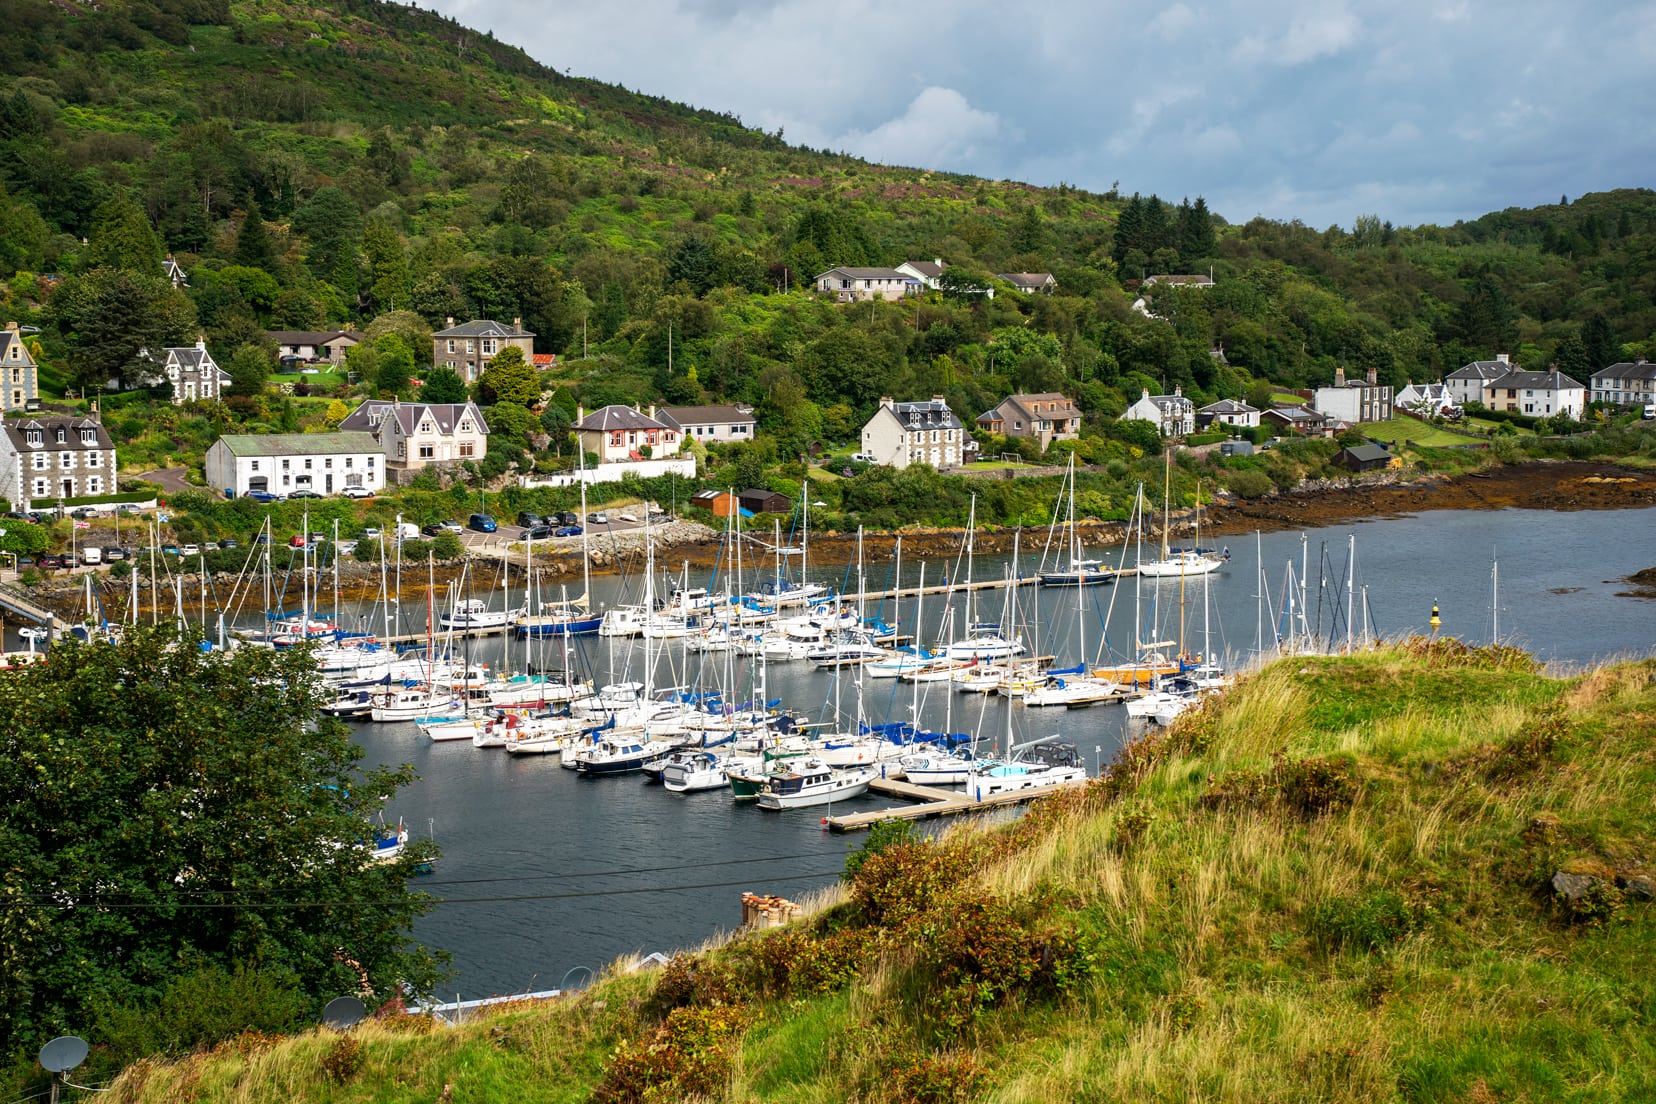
(1334, 884)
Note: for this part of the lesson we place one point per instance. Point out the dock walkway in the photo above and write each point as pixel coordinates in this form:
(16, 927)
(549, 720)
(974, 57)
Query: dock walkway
(932, 802)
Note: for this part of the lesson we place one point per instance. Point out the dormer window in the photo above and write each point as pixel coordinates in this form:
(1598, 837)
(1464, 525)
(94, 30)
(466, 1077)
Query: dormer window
(62, 435)
(89, 436)
(34, 437)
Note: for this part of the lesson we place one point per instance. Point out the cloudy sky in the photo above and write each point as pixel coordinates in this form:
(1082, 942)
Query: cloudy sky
(1322, 110)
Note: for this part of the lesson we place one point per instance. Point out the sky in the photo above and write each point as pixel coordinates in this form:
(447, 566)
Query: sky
(1319, 110)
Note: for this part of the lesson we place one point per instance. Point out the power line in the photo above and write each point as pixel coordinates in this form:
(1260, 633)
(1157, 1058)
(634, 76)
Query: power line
(97, 903)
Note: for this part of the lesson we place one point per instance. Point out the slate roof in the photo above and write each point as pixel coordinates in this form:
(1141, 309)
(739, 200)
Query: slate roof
(722, 414)
(608, 419)
(1193, 280)
(310, 337)
(299, 444)
(1552, 380)
(928, 414)
(6, 338)
(1027, 280)
(1480, 370)
(1367, 454)
(48, 438)
(1638, 369)
(1228, 406)
(929, 269)
(867, 274)
(483, 327)
(446, 415)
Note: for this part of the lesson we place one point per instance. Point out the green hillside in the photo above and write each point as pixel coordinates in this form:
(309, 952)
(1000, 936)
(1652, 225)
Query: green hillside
(397, 161)
(1338, 883)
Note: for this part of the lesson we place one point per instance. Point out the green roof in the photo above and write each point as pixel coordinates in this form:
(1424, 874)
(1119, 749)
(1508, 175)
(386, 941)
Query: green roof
(298, 444)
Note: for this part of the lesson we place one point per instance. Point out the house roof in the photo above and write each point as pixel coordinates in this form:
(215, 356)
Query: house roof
(20, 443)
(1638, 369)
(1367, 454)
(865, 273)
(1480, 370)
(299, 444)
(760, 492)
(932, 413)
(483, 327)
(1295, 414)
(608, 419)
(191, 357)
(6, 339)
(371, 414)
(1027, 404)
(1191, 280)
(1228, 406)
(310, 337)
(1027, 279)
(929, 269)
(720, 414)
(1550, 380)
(708, 495)
(1167, 402)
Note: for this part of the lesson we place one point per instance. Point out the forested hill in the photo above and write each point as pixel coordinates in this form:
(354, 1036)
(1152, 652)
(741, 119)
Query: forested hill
(315, 165)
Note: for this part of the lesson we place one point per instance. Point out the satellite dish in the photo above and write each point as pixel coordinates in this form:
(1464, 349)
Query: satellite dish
(579, 977)
(344, 1013)
(63, 1053)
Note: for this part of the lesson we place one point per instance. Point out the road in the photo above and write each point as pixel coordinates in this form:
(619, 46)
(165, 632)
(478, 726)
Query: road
(171, 480)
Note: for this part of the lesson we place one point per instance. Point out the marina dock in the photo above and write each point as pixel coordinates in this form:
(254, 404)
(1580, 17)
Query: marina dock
(932, 802)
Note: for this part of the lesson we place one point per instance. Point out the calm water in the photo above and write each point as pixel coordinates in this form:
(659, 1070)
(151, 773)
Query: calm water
(544, 870)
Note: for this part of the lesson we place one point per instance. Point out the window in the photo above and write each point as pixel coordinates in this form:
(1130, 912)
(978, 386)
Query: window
(308, 463)
(17, 398)
(371, 461)
(471, 346)
(488, 346)
(89, 436)
(40, 486)
(402, 450)
(328, 463)
(62, 435)
(93, 458)
(94, 485)
(34, 436)
(451, 349)
(40, 461)
(287, 480)
(17, 375)
(427, 452)
(466, 448)
(286, 464)
(348, 460)
(66, 459)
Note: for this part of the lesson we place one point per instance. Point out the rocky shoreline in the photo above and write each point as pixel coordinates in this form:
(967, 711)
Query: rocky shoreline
(1543, 485)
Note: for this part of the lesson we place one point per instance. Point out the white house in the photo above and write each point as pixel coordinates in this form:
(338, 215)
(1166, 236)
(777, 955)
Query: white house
(1625, 384)
(904, 433)
(621, 433)
(1230, 412)
(192, 372)
(1467, 382)
(175, 273)
(329, 345)
(711, 423)
(1353, 401)
(47, 459)
(1537, 394)
(1030, 282)
(1173, 414)
(19, 375)
(927, 272)
(1427, 400)
(281, 463)
(413, 435)
(851, 285)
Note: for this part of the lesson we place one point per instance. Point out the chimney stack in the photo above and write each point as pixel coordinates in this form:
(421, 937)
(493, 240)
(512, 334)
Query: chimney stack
(1339, 376)
(580, 412)
(1502, 358)
(1373, 377)
(517, 323)
(449, 323)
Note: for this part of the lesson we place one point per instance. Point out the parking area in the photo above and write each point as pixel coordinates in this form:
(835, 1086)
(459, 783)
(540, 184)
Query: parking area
(506, 535)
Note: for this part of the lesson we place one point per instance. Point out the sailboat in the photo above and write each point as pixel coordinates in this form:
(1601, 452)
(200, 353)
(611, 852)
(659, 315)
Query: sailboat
(1081, 571)
(1180, 562)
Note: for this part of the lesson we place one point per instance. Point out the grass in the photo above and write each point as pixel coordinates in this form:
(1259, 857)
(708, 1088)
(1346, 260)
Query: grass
(1247, 935)
(1409, 431)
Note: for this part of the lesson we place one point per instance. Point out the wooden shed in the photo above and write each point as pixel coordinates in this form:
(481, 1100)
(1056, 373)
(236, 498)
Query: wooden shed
(765, 502)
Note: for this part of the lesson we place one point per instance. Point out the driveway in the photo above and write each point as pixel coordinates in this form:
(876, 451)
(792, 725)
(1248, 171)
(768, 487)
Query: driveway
(171, 479)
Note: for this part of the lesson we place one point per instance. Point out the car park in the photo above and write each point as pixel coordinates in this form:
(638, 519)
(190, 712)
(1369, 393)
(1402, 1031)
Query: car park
(357, 492)
(528, 519)
(481, 523)
(567, 531)
(91, 555)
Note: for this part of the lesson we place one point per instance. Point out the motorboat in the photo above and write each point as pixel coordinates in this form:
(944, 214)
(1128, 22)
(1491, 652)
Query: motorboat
(1183, 562)
(984, 643)
(411, 704)
(619, 753)
(814, 783)
(623, 621)
(474, 613)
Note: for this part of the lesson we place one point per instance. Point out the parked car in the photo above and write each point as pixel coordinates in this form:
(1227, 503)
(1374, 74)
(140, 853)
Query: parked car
(629, 517)
(528, 519)
(567, 531)
(296, 541)
(357, 492)
(229, 542)
(263, 496)
(113, 552)
(862, 457)
(169, 549)
(567, 518)
(371, 532)
(345, 547)
(49, 559)
(481, 523)
(433, 529)
(539, 532)
(91, 555)
(302, 493)
(261, 538)
(451, 527)
(190, 550)
(129, 508)
(598, 517)
(83, 513)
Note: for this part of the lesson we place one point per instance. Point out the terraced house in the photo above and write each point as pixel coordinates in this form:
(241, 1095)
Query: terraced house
(48, 459)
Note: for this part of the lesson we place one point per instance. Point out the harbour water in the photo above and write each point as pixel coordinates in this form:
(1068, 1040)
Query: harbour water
(544, 871)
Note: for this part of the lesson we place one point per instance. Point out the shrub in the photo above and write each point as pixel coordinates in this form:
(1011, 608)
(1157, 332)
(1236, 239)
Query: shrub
(205, 1006)
(1249, 483)
(1368, 921)
(343, 1059)
(884, 834)
(688, 1056)
(950, 1078)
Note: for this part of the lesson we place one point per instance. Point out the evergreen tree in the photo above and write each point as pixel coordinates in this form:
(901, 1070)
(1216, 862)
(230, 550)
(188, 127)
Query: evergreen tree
(1571, 358)
(1599, 344)
(121, 237)
(509, 378)
(693, 262)
(1129, 227)
(387, 269)
(1197, 240)
(253, 245)
(443, 385)
(107, 315)
(331, 225)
